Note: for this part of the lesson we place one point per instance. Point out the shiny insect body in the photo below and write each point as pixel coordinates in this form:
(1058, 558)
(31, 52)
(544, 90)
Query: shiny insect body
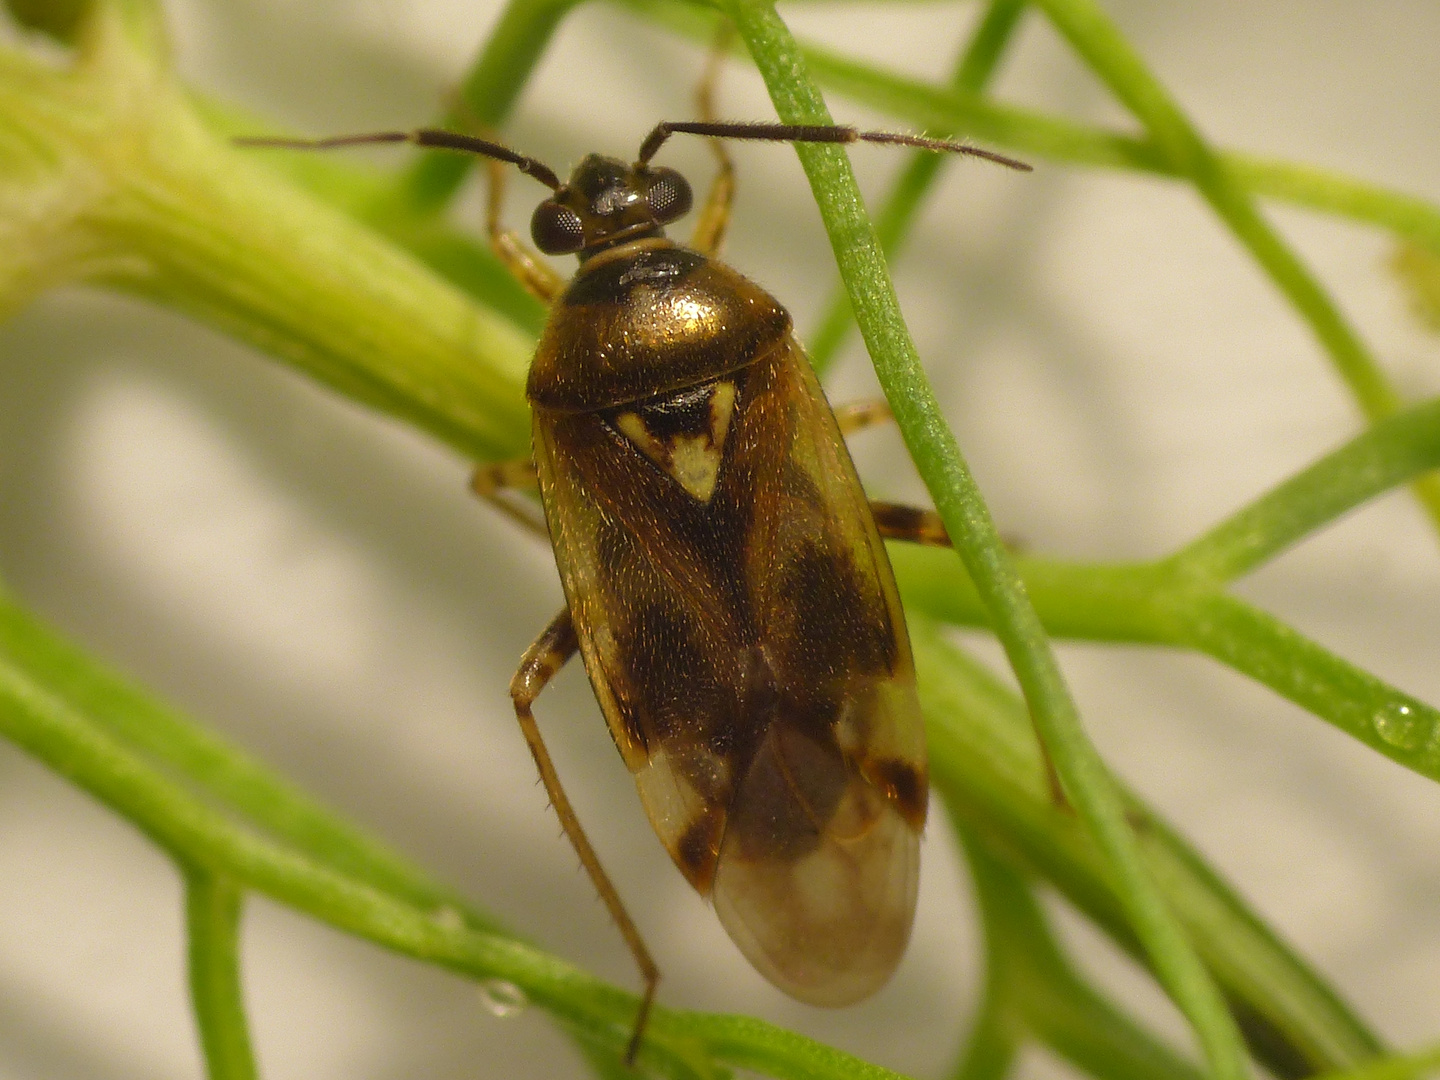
(725, 577)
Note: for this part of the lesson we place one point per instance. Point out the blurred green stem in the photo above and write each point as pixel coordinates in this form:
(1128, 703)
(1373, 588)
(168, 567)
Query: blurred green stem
(897, 212)
(1032, 990)
(212, 910)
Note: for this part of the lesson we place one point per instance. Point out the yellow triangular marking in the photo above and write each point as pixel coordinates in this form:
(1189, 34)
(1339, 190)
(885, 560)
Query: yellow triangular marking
(691, 459)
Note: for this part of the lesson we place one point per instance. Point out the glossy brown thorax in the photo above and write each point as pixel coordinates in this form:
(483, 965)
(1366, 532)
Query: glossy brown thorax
(646, 318)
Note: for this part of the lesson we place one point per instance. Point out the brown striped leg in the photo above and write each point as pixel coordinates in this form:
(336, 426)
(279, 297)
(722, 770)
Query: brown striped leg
(715, 214)
(897, 522)
(527, 266)
(489, 481)
(538, 666)
(856, 416)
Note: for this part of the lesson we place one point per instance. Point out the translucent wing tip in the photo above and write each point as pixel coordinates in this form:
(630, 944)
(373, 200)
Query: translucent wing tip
(825, 919)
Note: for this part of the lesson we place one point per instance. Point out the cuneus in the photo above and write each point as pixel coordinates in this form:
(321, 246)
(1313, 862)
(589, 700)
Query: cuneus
(725, 577)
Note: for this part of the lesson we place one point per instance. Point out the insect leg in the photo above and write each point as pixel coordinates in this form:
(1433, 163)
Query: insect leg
(539, 665)
(715, 214)
(489, 481)
(539, 280)
(897, 522)
(858, 415)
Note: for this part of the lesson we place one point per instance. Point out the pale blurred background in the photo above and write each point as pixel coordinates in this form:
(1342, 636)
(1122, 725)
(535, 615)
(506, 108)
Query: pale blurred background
(313, 581)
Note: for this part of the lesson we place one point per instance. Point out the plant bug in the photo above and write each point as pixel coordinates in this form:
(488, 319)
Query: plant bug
(725, 577)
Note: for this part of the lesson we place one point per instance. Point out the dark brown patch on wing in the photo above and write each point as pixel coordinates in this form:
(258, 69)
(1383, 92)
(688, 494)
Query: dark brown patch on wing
(902, 785)
(841, 631)
(699, 849)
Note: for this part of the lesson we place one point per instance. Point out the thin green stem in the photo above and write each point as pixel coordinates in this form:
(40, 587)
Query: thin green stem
(212, 914)
(1147, 604)
(937, 457)
(897, 212)
(213, 766)
(1390, 453)
(1417, 1066)
(1036, 986)
(486, 95)
(1403, 728)
(940, 109)
(986, 765)
(1091, 33)
(195, 833)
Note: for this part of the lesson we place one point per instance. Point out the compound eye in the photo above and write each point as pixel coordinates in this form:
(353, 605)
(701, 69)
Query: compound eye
(556, 229)
(669, 195)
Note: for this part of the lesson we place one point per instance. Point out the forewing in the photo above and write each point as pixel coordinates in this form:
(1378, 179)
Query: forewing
(748, 650)
(819, 864)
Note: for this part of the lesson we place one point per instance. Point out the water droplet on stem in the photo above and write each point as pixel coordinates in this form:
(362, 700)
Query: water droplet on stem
(1402, 726)
(502, 998)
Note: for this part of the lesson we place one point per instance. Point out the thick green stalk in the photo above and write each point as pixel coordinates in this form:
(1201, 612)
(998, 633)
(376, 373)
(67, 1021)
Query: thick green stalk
(107, 175)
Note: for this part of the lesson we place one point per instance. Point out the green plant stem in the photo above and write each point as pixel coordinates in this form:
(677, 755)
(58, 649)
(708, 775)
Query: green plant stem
(1426, 1063)
(212, 912)
(197, 834)
(486, 95)
(938, 459)
(990, 1049)
(946, 110)
(1179, 600)
(1028, 977)
(212, 766)
(1140, 604)
(113, 179)
(986, 765)
(1390, 453)
(897, 212)
(1091, 33)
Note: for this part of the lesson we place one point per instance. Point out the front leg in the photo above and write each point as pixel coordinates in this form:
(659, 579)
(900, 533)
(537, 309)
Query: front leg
(491, 481)
(526, 265)
(541, 662)
(715, 213)
(897, 522)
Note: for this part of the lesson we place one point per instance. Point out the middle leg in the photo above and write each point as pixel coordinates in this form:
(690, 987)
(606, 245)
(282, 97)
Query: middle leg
(542, 661)
(709, 232)
(491, 481)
